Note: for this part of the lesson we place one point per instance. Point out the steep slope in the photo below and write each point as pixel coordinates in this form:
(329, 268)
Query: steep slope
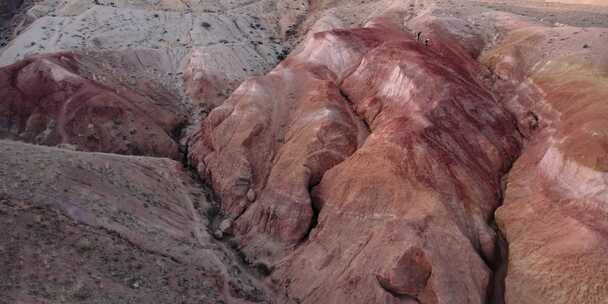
(47, 100)
(89, 227)
(402, 199)
(366, 167)
(216, 46)
(554, 211)
(396, 214)
(262, 158)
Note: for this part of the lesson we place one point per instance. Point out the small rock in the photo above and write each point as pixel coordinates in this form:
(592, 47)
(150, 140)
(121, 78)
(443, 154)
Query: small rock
(84, 245)
(201, 168)
(67, 146)
(226, 226)
(83, 293)
(251, 195)
(586, 46)
(135, 283)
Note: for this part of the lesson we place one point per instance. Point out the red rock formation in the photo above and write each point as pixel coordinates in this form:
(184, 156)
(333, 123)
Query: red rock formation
(276, 136)
(365, 168)
(273, 140)
(404, 198)
(554, 213)
(406, 216)
(46, 100)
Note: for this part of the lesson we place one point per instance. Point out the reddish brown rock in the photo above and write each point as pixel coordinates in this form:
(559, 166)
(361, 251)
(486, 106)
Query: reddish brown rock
(46, 100)
(282, 137)
(405, 218)
(554, 213)
(366, 168)
(410, 275)
(435, 132)
(273, 140)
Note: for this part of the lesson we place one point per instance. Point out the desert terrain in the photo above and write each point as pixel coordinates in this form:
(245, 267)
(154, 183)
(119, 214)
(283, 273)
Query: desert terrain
(304, 151)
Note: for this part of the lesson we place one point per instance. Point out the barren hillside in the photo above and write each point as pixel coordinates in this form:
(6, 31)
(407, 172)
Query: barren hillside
(320, 151)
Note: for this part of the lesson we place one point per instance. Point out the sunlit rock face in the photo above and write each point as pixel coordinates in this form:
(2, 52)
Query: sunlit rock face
(554, 210)
(402, 217)
(274, 138)
(47, 100)
(387, 208)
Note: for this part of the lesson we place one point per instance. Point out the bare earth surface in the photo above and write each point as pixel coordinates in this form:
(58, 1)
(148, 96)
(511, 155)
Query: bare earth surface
(322, 151)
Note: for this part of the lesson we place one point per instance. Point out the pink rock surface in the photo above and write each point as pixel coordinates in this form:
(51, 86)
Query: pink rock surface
(401, 207)
(398, 219)
(554, 210)
(267, 145)
(46, 100)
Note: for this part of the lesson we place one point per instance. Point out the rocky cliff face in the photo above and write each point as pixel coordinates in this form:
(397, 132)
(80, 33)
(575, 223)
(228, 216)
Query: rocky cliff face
(332, 152)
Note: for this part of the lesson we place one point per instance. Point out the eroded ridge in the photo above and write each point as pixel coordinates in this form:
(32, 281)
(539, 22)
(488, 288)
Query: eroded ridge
(399, 214)
(47, 100)
(554, 210)
(365, 168)
(268, 144)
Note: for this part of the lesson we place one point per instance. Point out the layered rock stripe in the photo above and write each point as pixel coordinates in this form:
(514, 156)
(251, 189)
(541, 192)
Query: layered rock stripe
(555, 198)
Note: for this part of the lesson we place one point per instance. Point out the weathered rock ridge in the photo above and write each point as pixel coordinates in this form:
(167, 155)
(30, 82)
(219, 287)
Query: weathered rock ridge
(434, 130)
(375, 151)
(555, 199)
(47, 101)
